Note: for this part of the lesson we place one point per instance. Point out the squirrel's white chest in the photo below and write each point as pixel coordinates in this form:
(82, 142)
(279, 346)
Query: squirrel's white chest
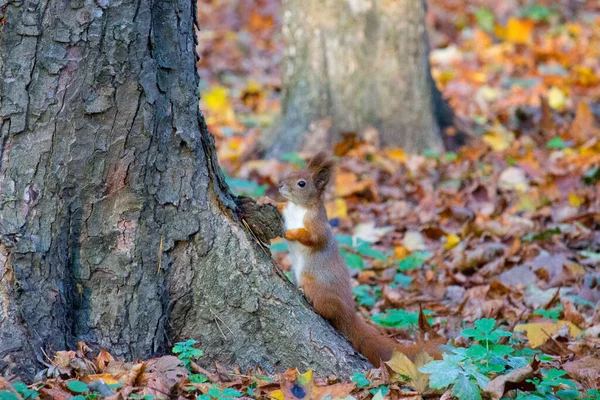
(293, 218)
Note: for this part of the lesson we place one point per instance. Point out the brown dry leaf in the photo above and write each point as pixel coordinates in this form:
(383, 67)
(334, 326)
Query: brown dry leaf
(584, 368)
(103, 359)
(484, 253)
(538, 332)
(497, 386)
(584, 126)
(571, 313)
(347, 183)
(402, 365)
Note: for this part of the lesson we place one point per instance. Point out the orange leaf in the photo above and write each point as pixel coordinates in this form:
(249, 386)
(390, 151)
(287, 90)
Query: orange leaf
(519, 30)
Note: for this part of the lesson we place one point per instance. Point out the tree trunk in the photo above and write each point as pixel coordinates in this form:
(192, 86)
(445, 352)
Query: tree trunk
(116, 227)
(357, 64)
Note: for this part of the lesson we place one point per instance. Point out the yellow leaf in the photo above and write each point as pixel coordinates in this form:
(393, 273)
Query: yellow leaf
(217, 103)
(557, 99)
(519, 30)
(108, 378)
(402, 365)
(400, 252)
(277, 395)
(575, 200)
(538, 332)
(499, 138)
(337, 209)
(397, 155)
(452, 241)
(305, 378)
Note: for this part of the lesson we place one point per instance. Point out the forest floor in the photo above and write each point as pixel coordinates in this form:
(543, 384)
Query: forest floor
(497, 243)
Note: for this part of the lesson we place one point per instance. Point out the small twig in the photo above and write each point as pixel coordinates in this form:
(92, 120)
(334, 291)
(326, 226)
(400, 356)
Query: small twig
(255, 238)
(223, 322)
(160, 248)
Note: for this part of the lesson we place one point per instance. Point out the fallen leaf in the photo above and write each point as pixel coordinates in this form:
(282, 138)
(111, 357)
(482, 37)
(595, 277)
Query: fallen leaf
(402, 365)
(519, 30)
(557, 99)
(337, 209)
(452, 241)
(496, 388)
(538, 332)
(414, 241)
(584, 369)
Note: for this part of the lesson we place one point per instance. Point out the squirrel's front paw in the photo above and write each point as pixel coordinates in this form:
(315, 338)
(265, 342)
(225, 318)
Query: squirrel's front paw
(301, 235)
(264, 200)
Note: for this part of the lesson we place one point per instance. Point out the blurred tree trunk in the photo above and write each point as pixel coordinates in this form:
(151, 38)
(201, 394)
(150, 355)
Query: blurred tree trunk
(116, 227)
(357, 64)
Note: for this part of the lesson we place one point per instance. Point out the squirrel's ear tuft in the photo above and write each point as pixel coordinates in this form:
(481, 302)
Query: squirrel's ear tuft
(321, 168)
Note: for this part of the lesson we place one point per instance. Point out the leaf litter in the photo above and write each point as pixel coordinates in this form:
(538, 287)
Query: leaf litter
(504, 229)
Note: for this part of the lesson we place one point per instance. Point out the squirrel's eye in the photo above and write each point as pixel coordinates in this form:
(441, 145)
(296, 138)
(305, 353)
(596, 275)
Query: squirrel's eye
(301, 183)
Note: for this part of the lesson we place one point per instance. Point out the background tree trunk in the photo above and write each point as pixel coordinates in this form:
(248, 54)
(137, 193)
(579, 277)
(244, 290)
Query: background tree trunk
(357, 63)
(116, 225)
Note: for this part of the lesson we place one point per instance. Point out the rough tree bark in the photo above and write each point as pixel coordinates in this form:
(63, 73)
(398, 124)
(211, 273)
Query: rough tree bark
(357, 64)
(116, 226)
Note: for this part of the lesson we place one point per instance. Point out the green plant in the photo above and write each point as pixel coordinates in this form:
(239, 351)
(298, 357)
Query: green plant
(458, 371)
(24, 391)
(217, 393)
(553, 313)
(551, 386)
(82, 390)
(6, 395)
(413, 261)
(360, 379)
(186, 352)
(487, 353)
(398, 318)
(198, 378)
(367, 295)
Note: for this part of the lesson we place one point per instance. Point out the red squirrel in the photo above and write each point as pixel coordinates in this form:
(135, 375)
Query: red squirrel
(317, 264)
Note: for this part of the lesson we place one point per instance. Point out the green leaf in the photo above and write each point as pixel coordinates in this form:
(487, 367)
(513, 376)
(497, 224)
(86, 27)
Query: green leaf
(214, 392)
(398, 318)
(353, 261)
(383, 390)
(477, 352)
(413, 261)
(344, 240)
(5, 395)
(78, 397)
(567, 394)
(294, 158)
(485, 19)
(77, 387)
(485, 325)
(402, 280)
(556, 143)
(279, 246)
(230, 392)
(537, 12)
(246, 188)
(365, 249)
(366, 295)
(466, 389)
(198, 378)
(443, 373)
(204, 397)
(20, 387)
(360, 379)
